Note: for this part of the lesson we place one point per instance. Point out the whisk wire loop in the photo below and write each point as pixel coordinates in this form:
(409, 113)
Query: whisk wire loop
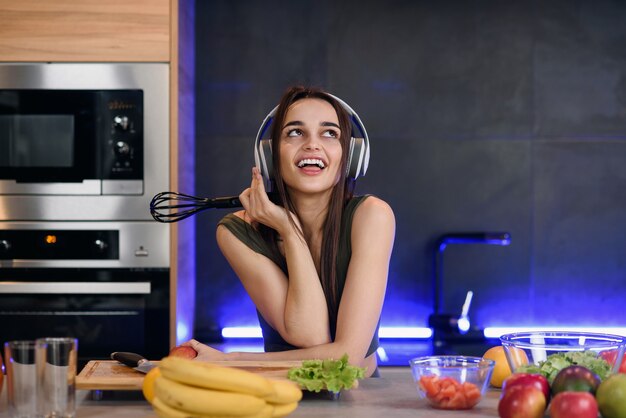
(168, 207)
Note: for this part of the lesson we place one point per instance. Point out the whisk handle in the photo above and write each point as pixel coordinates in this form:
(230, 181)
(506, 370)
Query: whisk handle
(233, 201)
(224, 202)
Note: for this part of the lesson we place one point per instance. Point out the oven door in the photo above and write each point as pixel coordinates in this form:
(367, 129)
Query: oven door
(106, 309)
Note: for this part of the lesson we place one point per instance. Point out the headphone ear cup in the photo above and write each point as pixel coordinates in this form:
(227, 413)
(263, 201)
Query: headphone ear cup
(357, 164)
(265, 159)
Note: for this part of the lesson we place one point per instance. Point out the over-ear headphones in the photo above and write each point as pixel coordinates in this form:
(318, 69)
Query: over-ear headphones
(358, 154)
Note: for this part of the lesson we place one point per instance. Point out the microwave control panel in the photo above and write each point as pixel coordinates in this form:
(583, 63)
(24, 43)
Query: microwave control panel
(122, 120)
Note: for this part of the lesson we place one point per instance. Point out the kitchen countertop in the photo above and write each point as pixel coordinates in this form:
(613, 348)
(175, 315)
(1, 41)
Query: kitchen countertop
(392, 396)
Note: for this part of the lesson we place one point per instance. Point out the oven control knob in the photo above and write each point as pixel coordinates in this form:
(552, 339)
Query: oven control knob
(100, 245)
(121, 123)
(122, 149)
(5, 245)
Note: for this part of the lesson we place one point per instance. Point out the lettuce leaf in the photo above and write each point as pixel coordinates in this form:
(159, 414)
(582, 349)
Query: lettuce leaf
(554, 363)
(331, 375)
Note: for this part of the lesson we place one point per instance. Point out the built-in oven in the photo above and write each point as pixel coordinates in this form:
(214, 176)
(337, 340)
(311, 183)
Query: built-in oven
(108, 287)
(83, 149)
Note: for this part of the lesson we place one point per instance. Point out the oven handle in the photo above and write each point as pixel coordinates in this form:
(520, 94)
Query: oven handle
(87, 288)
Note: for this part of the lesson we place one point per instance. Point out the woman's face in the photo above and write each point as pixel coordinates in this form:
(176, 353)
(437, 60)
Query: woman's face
(310, 148)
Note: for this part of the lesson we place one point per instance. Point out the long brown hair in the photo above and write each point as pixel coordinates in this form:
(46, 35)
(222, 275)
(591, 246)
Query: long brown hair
(341, 194)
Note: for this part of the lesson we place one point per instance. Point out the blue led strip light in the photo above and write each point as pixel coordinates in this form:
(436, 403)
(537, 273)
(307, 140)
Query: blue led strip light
(426, 333)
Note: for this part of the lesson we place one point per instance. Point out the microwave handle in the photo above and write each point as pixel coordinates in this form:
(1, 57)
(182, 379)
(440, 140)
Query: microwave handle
(85, 288)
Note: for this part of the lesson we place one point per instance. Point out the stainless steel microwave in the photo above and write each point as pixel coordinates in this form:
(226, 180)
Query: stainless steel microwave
(81, 141)
(87, 141)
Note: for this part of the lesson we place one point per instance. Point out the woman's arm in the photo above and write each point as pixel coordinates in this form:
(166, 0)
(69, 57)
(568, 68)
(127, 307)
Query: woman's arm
(372, 235)
(295, 306)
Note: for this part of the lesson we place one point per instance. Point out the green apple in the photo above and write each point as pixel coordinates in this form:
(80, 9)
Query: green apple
(611, 396)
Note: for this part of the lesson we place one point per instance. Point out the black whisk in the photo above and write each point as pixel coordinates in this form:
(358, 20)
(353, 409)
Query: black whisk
(170, 207)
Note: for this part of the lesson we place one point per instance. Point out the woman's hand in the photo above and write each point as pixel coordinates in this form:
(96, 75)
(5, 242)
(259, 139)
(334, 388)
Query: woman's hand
(205, 353)
(259, 208)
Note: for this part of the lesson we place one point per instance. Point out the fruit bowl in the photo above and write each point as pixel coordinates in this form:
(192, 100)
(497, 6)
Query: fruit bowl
(548, 352)
(451, 382)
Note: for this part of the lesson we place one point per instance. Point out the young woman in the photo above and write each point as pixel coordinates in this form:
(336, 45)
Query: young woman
(315, 265)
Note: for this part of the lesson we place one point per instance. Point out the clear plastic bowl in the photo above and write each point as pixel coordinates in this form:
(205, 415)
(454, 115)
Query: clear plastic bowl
(451, 382)
(535, 347)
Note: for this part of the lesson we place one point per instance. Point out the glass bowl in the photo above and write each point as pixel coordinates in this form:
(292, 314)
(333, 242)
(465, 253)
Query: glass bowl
(451, 382)
(548, 352)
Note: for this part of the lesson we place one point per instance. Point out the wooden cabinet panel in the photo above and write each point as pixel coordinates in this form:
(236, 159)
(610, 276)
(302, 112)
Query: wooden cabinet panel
(85, 30)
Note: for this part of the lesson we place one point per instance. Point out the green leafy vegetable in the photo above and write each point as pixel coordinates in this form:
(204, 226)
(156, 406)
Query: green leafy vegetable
(332, 375)
(554, 363)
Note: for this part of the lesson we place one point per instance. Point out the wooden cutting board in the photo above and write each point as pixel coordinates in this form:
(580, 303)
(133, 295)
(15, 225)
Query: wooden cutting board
(112, 375)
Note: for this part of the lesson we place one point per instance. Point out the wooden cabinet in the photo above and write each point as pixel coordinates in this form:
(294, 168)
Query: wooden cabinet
(105, 31)
(85, 30)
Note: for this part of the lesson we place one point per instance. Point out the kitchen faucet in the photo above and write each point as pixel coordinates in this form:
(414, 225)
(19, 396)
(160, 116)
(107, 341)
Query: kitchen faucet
(445, 323)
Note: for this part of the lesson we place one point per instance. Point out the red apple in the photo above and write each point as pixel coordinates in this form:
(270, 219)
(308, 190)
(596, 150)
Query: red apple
(528, 379)
(183, 351)
(574, 404)
(522, 401)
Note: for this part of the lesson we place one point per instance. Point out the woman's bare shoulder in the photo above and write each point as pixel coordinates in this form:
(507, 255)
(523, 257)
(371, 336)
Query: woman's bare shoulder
(223, 233)
(373, 220)
(374, 207)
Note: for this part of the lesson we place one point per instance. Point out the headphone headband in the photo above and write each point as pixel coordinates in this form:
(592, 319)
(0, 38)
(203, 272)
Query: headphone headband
(359, 152)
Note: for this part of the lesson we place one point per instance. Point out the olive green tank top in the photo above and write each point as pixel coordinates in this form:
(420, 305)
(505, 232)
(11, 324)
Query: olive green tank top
(252, 238)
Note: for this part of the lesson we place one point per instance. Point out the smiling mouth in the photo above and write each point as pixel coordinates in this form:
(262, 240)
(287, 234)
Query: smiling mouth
(308, 162)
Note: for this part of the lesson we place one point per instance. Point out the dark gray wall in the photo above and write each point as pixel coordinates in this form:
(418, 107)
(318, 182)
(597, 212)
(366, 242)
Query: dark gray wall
(482, 116)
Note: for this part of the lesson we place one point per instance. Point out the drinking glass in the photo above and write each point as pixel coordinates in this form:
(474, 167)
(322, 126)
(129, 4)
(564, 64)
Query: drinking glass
(56, 377)
(19, 357)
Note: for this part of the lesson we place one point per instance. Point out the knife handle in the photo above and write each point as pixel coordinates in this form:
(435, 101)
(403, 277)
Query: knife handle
(129, 359)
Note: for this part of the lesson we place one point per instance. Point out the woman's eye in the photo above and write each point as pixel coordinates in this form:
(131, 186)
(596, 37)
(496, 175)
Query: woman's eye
(294, 132)
(330, 134)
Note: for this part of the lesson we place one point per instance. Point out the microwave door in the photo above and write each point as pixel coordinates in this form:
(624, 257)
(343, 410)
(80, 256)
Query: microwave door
(48, 143)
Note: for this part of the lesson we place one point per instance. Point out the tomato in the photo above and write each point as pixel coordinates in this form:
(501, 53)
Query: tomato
(574, 404)
(610, 356)
(448, 393)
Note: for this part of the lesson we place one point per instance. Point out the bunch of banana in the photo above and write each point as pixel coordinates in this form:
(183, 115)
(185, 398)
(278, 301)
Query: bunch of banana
(190, 389)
